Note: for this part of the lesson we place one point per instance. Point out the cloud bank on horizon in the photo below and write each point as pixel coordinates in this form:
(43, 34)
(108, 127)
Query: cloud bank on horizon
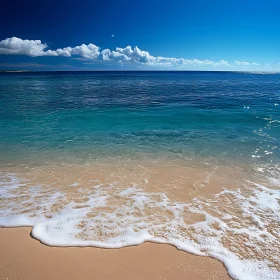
(35, 48)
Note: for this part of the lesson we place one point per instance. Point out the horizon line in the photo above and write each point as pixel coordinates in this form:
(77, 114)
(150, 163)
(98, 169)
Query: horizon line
(117, 70)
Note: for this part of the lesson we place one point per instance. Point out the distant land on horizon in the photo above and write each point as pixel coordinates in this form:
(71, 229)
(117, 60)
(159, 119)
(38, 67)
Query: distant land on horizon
(180, 71)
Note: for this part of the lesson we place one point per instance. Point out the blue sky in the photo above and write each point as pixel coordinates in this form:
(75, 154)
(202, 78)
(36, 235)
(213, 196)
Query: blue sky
(170, 35)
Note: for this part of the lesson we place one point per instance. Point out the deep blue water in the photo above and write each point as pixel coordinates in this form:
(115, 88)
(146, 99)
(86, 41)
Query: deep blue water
(91, 115)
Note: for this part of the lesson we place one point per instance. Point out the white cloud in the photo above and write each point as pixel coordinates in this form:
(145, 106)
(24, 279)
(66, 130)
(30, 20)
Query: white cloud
(16, 45)
(143, 57)
(128, 54)
(89, 51)
(255, 64)
(35, 48)
(245, 63)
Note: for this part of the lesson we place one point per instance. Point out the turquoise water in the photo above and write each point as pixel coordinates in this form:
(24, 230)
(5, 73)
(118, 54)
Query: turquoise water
(91, 115)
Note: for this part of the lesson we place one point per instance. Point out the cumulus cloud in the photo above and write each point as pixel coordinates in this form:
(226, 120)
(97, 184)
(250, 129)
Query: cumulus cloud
(137, 55)
(128, 54)
(89, 51)
(245, 63)
(35, 48)
(16, 45)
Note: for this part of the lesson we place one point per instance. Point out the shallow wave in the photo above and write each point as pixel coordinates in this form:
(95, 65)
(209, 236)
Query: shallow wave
(240, 227)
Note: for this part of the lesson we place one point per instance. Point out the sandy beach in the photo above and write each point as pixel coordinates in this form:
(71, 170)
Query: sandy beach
(24, 258)
(189, 216)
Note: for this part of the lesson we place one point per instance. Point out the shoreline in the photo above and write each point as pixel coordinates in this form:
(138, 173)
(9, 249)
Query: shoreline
(84, 209)
(23, 257)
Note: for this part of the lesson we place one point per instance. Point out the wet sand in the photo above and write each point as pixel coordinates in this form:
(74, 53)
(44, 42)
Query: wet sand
(107, 205)
(24, 258)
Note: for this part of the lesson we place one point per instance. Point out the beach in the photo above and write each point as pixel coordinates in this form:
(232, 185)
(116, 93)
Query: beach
(112, 205)
(25, 258)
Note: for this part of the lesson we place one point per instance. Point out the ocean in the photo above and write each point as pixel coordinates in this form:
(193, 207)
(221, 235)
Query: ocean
(113, 159)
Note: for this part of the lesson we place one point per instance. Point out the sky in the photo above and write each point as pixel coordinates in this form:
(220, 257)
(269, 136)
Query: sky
(239, 35)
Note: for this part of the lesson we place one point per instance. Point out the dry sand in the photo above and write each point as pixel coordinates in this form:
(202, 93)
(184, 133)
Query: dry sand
(24, 258)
